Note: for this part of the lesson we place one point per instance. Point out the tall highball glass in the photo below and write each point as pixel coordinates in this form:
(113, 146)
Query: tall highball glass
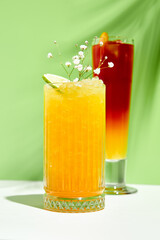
(74, 126)
(115, 60)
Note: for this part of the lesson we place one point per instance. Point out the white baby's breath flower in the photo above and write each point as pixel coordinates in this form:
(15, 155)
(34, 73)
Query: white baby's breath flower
(101, 43)
(86, 42)
(80, 67)
(81, 54)
(75, 57)
(50, 55)
(97, 71)
(83, 47)
(81, 57)
(68, 64)
(75, 80)
(76, 66)
(110, 64)
(76, 61)
(88, 68)
(105, 57)
(55, 42)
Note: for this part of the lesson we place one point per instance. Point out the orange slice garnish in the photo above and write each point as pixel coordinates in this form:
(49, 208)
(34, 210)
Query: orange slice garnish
(104, 37)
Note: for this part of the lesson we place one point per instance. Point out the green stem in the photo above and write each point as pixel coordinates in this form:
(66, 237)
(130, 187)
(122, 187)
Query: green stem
(82, 73)
(103, 67)
(65, 70)
(102, 63)
(89, 75)
(79, 76)
(82, 61)
(71, 72)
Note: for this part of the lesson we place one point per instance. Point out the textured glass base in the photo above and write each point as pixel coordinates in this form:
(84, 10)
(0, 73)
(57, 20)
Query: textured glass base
(119, 190)
(74, 205)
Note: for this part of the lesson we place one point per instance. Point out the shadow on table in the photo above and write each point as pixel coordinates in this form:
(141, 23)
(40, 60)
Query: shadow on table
(33, 200)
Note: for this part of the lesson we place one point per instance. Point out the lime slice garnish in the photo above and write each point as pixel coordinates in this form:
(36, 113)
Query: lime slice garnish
(54, 80)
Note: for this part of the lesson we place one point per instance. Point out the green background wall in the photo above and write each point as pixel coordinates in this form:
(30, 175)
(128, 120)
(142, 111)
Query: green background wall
(28, 29)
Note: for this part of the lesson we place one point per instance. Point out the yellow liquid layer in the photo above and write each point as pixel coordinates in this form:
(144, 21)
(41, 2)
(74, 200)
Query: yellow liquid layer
(74, 139)
(117, 137)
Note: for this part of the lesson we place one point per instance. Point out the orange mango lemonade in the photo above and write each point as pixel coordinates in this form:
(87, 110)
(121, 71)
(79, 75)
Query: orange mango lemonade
(74, 117)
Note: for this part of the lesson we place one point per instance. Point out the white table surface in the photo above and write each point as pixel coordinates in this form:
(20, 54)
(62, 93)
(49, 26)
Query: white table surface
(126, 217)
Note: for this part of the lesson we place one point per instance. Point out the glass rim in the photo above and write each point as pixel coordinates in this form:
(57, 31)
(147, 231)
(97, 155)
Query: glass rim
(57, 84)
(112, 37)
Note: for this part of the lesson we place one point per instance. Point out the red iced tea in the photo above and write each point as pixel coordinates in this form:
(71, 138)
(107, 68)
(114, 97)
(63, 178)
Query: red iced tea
(118, 81)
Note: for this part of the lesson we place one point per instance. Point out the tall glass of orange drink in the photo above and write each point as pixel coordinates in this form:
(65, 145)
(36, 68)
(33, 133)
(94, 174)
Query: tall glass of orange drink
(74, 134)
(114, 56)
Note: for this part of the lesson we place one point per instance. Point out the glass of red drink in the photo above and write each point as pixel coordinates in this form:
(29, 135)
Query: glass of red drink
(113, 56)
